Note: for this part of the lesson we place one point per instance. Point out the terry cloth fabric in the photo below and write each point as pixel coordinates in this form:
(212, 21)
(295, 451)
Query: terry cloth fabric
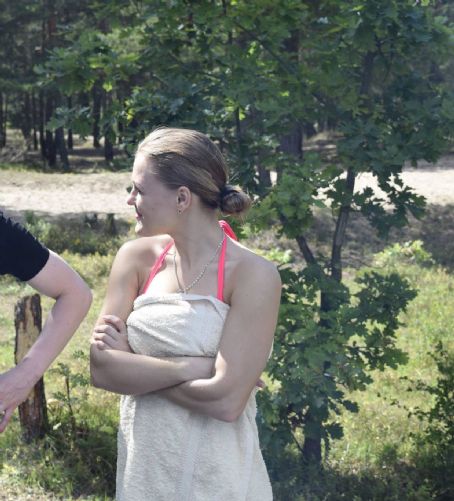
(167, 452)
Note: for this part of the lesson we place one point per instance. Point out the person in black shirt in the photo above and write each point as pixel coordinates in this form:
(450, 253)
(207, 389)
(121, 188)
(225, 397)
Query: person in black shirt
(24, 257)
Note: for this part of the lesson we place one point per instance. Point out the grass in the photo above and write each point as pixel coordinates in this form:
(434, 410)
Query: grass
(376, 452)
(379, 457)
(68, 462)
(383, 454)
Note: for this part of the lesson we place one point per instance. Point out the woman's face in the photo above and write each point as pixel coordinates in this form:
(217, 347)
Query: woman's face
(155, 204)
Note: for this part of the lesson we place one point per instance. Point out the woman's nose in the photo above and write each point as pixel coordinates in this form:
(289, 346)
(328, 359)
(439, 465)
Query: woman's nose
(131, 199)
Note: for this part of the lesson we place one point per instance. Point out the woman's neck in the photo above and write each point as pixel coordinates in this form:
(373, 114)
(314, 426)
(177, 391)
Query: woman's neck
(197, 239)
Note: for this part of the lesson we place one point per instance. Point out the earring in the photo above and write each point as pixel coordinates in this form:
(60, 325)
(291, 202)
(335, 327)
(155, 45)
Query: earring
(179, 211)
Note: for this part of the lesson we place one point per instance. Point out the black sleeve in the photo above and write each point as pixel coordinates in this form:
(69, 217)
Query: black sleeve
(21, 254)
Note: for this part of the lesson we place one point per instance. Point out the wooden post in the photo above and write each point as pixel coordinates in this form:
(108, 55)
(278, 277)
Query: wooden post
(32, 412)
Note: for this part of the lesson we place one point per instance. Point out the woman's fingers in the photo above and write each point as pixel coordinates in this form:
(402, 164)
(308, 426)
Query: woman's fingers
(100, 344)
(116, 322)
(112, 334)
(108, 330)
(105, 338)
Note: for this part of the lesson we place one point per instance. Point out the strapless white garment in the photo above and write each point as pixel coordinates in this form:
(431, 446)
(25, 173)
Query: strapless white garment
(167, 452)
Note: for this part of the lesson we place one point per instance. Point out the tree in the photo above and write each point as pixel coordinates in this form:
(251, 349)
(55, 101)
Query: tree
(257, 77)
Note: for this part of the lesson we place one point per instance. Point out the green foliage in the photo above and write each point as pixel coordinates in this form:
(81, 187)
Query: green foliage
(410, 252)
(440, 417)
(82, 237)
(91, 267)
(76, 459)
(67, 402)
(318, 355)
(375, 459)
(255, 75)
(435, 445)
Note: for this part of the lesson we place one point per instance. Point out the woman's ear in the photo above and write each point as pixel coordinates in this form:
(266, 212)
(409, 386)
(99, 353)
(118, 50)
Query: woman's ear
(184, 198)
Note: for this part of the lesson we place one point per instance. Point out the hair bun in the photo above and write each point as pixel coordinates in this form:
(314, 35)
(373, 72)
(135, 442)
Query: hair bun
(233, 200)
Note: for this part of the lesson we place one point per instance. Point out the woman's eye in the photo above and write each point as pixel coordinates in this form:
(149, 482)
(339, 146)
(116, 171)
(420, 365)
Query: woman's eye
(132, 188)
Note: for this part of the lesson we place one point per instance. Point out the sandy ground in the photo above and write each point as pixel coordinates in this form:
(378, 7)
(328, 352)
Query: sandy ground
(105, 192)
(65, 194)
(434, 182)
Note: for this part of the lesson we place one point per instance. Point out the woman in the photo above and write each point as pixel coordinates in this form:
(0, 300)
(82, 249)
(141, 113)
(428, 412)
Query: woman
(201, 311)
(24, 257)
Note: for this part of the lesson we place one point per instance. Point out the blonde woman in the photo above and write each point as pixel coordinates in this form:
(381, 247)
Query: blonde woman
(185, 331)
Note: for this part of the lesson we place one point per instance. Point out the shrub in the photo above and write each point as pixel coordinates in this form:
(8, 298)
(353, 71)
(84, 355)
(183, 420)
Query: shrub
(407, 253)
(435, 446)
(87, 236)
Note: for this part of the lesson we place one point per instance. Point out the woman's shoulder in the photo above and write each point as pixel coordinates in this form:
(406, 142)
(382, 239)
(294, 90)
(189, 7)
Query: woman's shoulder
(253, 268)
(144, 249)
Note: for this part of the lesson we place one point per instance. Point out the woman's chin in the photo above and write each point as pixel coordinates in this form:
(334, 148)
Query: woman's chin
(143, 231)
(139, 228)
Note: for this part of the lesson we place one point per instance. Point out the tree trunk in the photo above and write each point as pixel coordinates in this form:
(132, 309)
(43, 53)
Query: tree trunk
(97, 96)
(108, 132)
(32, 412)
(42, 141)
(3, 119)
(27, 120)
(341, 226)
(264, 175)
(70, 132)
(292, 144)
(60, 147)
(51, 151)
(111, 227)
(2, 131)
(312, 447)
(35, 132)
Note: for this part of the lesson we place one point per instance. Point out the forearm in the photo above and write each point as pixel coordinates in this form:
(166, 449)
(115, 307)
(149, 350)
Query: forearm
(209, 397)
(135, 374)
(65, 316)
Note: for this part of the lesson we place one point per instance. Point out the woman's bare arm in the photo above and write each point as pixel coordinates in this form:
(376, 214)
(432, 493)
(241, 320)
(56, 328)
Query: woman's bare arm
(244, 349)
(120, 370)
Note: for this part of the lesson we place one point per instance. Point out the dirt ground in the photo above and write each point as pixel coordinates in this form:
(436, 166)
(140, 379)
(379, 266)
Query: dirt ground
(67, 194)
(89, 190)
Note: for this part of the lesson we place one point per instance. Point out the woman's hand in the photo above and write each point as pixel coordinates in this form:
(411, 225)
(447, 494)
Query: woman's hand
(111, 335)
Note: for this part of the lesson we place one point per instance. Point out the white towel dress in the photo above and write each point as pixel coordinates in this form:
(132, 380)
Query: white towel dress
(167, 452)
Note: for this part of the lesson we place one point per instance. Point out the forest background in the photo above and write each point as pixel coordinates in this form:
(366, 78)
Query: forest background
(324, 109)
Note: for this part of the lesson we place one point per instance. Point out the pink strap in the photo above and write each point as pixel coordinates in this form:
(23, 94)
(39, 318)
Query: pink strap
(221, 266)
(157, 265)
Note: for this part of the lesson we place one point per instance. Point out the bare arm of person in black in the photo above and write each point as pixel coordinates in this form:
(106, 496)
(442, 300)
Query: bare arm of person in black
(24, 257)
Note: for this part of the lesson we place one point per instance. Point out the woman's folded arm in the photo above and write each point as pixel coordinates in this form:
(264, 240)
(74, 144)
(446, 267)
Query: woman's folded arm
(118, 369)
(135, 374)
(244, 349)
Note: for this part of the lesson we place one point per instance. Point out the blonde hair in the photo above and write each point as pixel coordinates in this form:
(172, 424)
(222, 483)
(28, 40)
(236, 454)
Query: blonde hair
(185, 157)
